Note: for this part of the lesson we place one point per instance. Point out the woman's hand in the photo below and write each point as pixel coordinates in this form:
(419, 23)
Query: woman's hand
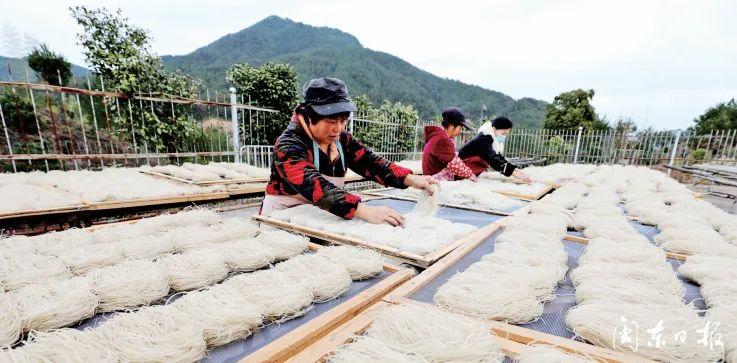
(423, 182)
(379, 215)
(521, 175)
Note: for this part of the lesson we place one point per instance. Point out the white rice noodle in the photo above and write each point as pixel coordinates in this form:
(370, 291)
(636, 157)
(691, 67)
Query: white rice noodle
(55, 305)
(555, 225)
(247, 169)
(17, 271)
(274, 291)
(543, 353)
(282, 244)
(484, 296)
(427, 205)
(597, 322)
(195, 269)
(54, 243)
(188, 238)
(66, 345)
(726, 317)
(193, 217)
(435, 335)
(129, 284)
(543, 278)
(183, 173)
(222, 317)
(368, 349)
(420, 235)
(155, 334)
(222, 173)
(708, 269)
(244, 255)
(146, 247)
(362, 263)
(663, 279)
(18, 197)
(83, 259)
(625, 291)
(325, 278)
(14, 245)
(605, 251)
(11, 325)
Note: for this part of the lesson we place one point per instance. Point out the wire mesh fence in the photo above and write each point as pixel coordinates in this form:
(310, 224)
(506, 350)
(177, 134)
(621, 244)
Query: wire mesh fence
(48, 127)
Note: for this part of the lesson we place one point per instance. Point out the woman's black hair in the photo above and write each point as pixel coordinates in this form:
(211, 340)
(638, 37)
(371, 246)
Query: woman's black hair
(502, 123)
(313, 117)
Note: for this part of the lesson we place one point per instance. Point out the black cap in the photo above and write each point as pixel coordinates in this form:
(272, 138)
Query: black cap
(327, 96)
(501, 123)
(455, 117)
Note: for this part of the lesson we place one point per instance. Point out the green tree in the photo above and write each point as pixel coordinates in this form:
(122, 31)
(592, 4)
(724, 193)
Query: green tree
(720, 117)
(396, 124)
(120, 54)
(271, 85)
(573, 109)
(50, 66)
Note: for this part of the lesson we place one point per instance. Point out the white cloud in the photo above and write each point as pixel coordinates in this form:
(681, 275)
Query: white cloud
(660, 62)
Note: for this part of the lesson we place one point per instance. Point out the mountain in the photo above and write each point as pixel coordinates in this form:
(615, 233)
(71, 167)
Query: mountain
(322, 51)
(18, 65)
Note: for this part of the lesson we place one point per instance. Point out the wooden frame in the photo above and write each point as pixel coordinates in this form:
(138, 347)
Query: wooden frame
(537, 196)
(402, 295)
(378, 193)
(411, 258)
(296, 340)
(584, 240)
(157, 200)
(39, 212)
(320, 349)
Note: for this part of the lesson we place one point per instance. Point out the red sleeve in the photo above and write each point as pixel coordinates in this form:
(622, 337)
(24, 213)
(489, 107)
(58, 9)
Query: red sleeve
(460, 169)
(366, 163)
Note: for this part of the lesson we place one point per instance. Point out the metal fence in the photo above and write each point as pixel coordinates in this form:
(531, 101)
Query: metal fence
(48, 127)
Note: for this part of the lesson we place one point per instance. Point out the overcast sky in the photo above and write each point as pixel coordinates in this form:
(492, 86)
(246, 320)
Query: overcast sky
(662, 63)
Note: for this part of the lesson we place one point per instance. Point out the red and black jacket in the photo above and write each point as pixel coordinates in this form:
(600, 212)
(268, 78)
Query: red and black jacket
(293, 171)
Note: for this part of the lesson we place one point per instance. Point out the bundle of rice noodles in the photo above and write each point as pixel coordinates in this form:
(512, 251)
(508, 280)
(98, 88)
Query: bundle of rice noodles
(726, 318)
(274, 291)
(555, 263)
(435, 335)
(662, 278)
(597, 322)
(15, 245)
(19, 197)
(154, 334)
(129, 284)
(222, 318)
(220, 172)
(283, 244)
(325, 278)
(627, 291)
(62, 345)
(54, 243)
(608, 229)
(368, 349)
(427, 205)
(189, 238)
(195, 269)
(183, 173)
(693, 246)
(116, 233)
(192, 217)
(11, 325)
(362, 263)
(247, 169)
(605, 250)
(545, 223)
(17, 271)
(707, 235)
(83, 259)
(55, 305)
(542, 278)
(729, 232)
(480, 295)
(146, 247)
(244, 255)
(708, 269)
(543, 353)
(719, 293)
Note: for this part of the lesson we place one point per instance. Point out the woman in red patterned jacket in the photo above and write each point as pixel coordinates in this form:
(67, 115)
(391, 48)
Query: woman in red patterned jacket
(312, 155)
